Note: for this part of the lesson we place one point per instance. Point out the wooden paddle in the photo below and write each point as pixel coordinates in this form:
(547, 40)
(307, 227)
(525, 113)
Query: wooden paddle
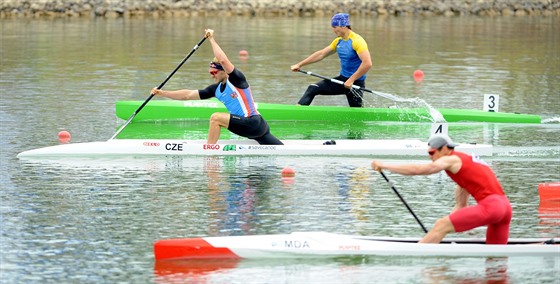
(159, 87)
(404, 202)
(385, 95)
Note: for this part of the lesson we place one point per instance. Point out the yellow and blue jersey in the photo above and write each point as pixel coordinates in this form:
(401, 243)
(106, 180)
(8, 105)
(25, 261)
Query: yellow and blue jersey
(348, 51)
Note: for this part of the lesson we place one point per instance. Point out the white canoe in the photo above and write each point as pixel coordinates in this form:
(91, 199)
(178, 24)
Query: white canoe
(151, 147)
(322, 244)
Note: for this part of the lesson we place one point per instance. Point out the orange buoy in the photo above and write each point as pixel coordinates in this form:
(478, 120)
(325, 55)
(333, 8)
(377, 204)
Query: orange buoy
(64, 136)
(418, 75)
(549, 191)
(288, 172)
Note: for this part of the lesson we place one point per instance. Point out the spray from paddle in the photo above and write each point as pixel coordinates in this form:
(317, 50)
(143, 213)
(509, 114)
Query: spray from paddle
(436, 116)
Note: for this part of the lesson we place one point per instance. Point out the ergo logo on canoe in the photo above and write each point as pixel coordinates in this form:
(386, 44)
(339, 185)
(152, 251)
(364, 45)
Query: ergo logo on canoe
(151, 144)
(211, 147)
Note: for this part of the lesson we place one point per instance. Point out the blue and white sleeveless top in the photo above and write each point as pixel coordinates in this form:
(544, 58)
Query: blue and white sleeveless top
(238, 101)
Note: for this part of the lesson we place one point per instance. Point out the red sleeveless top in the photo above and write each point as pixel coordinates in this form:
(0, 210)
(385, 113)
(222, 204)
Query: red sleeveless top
(476, 177)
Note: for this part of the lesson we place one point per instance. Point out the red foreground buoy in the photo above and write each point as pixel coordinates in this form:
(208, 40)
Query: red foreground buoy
(288, 172)
(64, 136)
(549, 191)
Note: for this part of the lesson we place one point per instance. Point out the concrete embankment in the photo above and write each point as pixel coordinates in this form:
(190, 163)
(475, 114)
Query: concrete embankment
(178, 8)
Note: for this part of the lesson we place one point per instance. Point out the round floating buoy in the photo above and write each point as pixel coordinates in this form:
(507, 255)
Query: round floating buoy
(288, 172)
(418, 75)
(549, 191)
(243, 55)
(64, 136)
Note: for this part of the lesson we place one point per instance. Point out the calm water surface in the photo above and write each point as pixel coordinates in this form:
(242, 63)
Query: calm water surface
(95, 220)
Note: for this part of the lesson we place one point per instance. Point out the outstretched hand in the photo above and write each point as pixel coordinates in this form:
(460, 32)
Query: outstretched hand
(376, 166)
(156, 92)
(208, 33)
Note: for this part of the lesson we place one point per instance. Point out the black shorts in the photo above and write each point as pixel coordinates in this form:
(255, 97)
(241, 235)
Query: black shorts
(251, 127)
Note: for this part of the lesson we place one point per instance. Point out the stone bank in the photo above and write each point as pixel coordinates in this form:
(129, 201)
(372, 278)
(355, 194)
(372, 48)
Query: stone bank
(189, 8)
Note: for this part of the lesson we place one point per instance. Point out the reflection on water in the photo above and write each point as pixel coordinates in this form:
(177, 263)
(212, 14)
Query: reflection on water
(495, 272)
(358, 270)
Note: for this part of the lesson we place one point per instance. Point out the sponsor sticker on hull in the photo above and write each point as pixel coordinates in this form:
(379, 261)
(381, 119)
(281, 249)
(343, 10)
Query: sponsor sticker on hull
(261, 147)
(211, 147)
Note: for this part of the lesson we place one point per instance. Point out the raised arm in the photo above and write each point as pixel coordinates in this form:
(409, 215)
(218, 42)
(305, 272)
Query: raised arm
(218, 52)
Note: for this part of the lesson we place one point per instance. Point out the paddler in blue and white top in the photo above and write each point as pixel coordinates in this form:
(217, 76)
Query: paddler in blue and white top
(233, 90)
(355, 62)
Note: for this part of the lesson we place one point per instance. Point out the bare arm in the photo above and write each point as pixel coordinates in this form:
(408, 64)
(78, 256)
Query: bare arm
(461, 198)
(316, 56)
(443, 163)
(178, 94)
(219, 53)
(362, 70)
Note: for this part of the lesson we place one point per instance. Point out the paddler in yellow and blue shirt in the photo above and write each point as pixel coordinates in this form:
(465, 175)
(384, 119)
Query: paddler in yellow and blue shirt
(232, 89)
(355, 62)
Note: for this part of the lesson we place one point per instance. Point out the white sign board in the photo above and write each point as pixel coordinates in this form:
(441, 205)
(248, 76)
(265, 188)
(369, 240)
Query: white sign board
(439, 128)
(491, 103)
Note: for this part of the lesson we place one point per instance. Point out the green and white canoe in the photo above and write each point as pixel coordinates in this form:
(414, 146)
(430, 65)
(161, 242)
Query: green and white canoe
(196, 110)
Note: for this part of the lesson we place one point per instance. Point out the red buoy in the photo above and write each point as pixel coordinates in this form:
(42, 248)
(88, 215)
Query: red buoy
(549, 191)
(418, 75)
(64, 136)
(288, 172)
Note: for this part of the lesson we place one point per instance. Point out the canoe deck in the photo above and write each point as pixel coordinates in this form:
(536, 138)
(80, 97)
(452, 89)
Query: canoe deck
(151, 147)
(322, 244)
(195, 110)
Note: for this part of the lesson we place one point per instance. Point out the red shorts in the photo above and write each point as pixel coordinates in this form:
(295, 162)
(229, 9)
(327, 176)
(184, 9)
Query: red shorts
(493, 211)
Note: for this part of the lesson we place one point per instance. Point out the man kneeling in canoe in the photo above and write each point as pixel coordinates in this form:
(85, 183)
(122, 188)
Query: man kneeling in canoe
(473, 177)
(233, 90)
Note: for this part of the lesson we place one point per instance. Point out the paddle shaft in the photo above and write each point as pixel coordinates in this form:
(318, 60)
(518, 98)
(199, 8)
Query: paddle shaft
(387, 96)
(159, 87)
(404, 202)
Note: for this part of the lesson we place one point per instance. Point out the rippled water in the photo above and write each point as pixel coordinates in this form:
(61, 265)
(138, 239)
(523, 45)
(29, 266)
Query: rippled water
(95, 220)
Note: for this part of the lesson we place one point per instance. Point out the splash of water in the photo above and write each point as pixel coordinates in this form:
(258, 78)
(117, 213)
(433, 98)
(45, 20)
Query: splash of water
(434, 113)
(436, 116)
(552, 120)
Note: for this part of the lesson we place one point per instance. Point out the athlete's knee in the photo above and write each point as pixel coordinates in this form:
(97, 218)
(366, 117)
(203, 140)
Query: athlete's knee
(312, 88)
(214, 118)
(218, 118)
(312, 91)
(443, 225)
(309, 95)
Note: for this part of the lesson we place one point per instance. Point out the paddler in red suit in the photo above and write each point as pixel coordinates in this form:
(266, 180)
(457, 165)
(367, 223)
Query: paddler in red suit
(474, 178)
